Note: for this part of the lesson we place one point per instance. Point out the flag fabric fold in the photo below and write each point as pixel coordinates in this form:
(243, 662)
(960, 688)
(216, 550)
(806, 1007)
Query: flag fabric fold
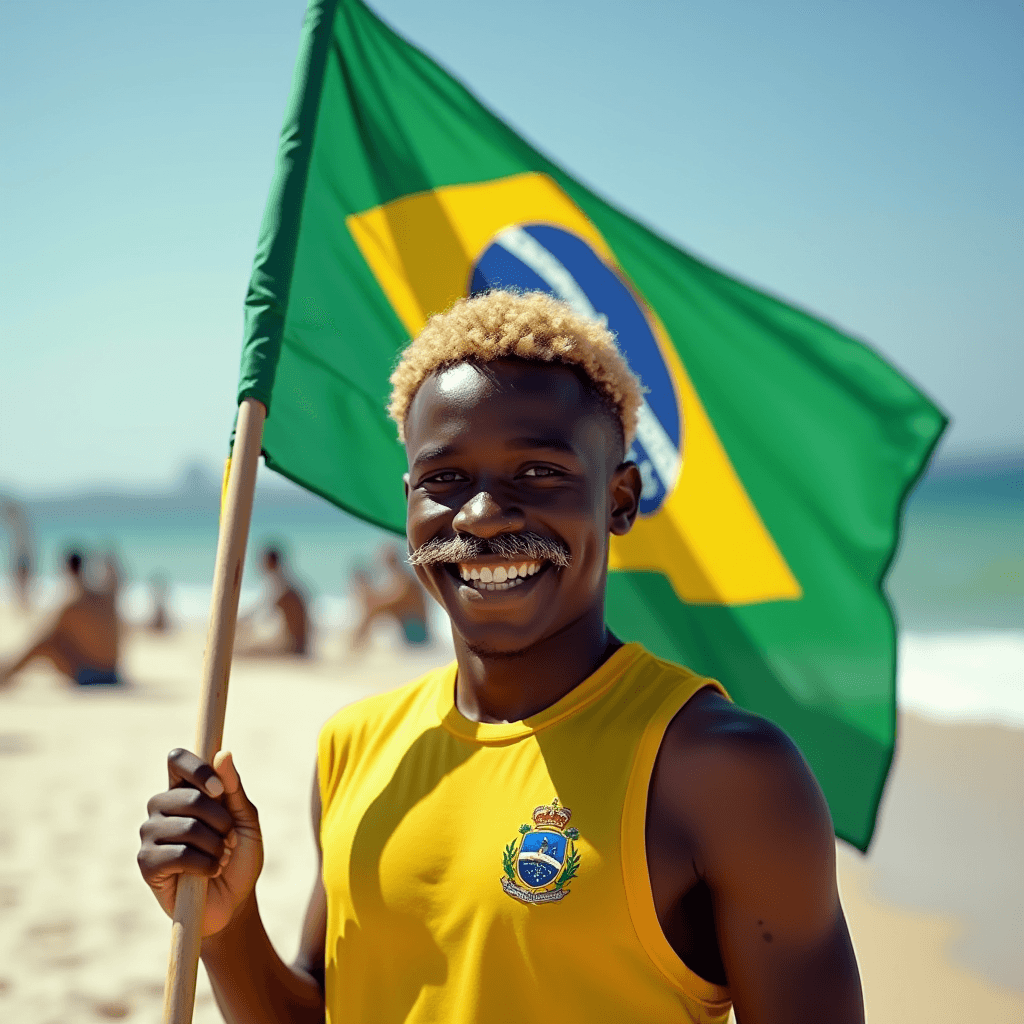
(776, 452)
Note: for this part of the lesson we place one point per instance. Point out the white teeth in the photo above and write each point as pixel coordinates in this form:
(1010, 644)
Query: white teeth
(499, 574)
(499, 577)
(480, 585)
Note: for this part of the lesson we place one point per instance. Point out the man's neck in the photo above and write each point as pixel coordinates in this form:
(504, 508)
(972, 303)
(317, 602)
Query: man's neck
(511, 687)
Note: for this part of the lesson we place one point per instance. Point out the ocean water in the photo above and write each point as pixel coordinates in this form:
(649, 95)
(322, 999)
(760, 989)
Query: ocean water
(956, 585)
(960, 564)
(173, 536)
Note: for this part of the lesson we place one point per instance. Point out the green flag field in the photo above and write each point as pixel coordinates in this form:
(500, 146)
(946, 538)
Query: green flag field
(776, 451)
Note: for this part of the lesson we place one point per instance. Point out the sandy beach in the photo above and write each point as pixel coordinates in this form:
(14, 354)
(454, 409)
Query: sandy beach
(935, 909)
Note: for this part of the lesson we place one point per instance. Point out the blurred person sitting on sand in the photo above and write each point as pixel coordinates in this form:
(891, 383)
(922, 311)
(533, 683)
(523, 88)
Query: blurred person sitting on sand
(286, 603)
(398, 597)
(82, 641)
(21, 552)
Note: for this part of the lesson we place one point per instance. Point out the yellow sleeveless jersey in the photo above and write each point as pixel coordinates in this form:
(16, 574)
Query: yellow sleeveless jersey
(480, 873)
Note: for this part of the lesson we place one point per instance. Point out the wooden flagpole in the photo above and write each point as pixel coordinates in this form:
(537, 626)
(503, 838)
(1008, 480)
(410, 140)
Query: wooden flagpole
(236, 512)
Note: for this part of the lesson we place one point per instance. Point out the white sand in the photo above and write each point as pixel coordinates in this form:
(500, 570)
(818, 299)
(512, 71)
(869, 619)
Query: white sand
(81, 939)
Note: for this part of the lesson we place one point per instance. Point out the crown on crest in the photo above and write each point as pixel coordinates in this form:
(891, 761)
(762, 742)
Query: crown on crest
(552, 815)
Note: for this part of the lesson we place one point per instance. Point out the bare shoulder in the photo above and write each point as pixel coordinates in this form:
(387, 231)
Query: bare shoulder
(717, 733)
(739, 786)
(758, 834)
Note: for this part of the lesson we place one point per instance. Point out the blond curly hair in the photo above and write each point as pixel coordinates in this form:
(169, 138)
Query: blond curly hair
(524, 325)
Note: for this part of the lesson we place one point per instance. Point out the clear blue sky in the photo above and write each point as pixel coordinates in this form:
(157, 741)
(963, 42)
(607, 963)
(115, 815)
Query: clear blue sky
(863, 160)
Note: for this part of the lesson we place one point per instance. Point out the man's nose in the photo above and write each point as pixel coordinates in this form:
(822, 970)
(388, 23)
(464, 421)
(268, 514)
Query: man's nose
(485, 517)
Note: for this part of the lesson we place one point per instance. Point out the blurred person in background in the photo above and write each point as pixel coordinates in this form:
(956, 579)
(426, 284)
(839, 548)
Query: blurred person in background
(22, 557)
(82, 641)
(286, 604)
(398, 597)
(159, 621)
(361, 596)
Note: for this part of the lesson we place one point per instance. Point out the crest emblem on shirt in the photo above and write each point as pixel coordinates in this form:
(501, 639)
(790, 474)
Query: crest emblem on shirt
(539, 864)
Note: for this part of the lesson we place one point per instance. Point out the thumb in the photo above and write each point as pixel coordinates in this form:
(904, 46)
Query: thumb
(235, 800)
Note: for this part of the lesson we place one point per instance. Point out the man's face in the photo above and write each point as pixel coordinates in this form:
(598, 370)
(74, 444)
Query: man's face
(515, 448)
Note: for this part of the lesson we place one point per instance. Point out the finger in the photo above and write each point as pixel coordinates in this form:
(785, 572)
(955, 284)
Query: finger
(241, 807)
(190, 803)
(158, 863)
(187, 832)
(185, 768)
(224, 766)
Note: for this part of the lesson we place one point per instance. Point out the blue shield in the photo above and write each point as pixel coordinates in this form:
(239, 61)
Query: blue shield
(541, 857)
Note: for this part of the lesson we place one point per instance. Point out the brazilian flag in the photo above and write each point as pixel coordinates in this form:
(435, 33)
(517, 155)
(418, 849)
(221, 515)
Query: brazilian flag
(775, 451)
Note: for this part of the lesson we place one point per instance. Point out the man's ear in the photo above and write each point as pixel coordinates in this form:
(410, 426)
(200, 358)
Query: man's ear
(624, 490)
(405, 484)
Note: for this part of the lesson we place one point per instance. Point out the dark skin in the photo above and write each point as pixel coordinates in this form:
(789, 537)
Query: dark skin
(293, 637)
(740, 847)
(84, 633)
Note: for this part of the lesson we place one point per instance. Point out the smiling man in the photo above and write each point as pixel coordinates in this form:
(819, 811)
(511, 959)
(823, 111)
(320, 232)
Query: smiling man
(557, 824)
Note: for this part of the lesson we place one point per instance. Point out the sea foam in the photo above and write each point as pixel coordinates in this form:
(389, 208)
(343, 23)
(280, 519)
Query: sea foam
(976, 676)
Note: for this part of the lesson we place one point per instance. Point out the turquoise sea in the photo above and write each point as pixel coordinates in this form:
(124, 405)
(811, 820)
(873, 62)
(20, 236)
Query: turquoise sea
(960, 564)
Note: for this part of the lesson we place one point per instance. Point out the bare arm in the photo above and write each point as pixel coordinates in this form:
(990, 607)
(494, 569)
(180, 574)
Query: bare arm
(195, 829)
(764, 846)
(266, 989)
(250, 981)
(49, 640)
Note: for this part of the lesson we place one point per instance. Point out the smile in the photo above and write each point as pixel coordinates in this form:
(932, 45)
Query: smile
(496, 576)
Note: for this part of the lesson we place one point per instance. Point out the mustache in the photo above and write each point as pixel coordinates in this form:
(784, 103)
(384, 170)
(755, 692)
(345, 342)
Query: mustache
(511, 546)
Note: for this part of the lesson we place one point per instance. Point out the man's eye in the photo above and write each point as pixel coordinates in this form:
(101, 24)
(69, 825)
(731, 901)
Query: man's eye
(447, 477)
(541, 471)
